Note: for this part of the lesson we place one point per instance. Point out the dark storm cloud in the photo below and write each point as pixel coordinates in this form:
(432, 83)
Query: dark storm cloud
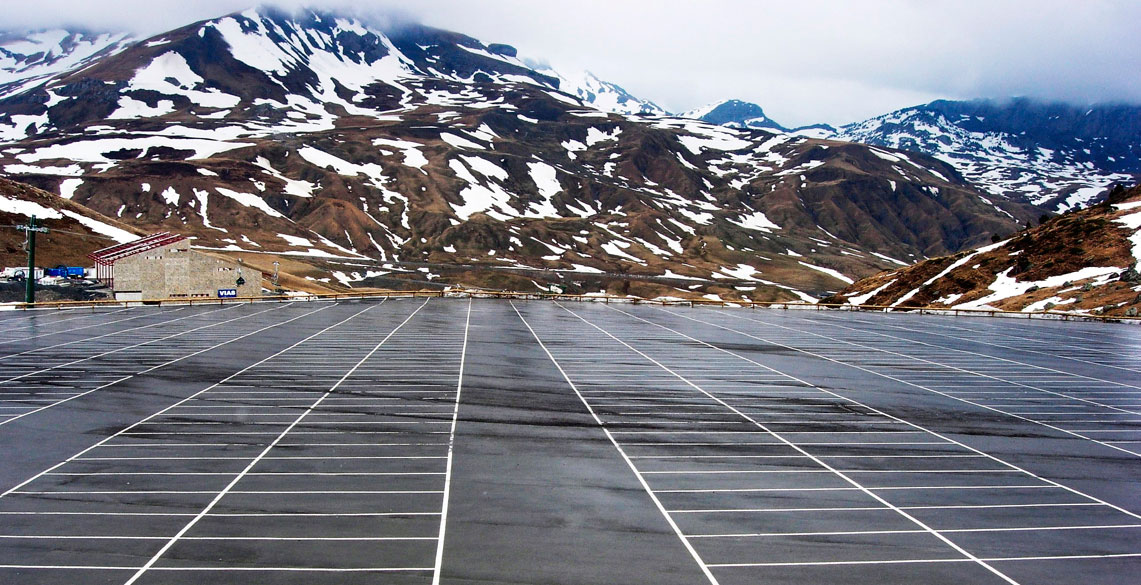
(826, 60)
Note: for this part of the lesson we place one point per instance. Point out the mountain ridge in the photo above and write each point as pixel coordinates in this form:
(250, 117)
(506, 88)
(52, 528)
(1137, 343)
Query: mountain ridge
(1053, 155)
(1050, 154)
(317, 137)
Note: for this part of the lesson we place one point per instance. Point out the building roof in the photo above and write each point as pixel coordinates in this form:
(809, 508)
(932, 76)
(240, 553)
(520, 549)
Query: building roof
(111, 254)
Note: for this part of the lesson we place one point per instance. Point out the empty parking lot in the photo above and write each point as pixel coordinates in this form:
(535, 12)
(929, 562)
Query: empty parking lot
(480, 441)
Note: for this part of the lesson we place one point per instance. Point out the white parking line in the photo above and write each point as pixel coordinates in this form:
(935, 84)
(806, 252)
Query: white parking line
(223, 538)
(871, 508)
(200, 492)
(925, 561)
(230, 569)
(945, 530)
(451, 449)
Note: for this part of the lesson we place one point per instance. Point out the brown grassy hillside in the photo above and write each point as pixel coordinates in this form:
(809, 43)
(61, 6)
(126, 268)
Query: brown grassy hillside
(1083, 261)
(69, 241)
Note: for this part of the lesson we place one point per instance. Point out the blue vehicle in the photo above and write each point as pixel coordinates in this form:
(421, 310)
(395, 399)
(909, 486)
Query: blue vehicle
(66, 271)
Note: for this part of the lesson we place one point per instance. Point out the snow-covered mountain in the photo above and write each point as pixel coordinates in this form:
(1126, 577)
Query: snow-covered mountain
(27, 59)
(316, 137)
(1056, 156)
(606, 96)
(741, 114)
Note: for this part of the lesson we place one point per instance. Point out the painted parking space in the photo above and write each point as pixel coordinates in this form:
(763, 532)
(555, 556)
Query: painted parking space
(37, 379)
(457, 440)
(1099, 401)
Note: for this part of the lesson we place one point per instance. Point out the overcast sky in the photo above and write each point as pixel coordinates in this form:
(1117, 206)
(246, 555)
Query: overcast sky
(803, 61)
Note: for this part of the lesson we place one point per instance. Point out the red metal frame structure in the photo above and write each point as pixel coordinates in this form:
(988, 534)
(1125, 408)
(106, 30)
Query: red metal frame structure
(105, 259)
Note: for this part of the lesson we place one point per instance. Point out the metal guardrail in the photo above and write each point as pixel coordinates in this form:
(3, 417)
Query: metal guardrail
(487, 294)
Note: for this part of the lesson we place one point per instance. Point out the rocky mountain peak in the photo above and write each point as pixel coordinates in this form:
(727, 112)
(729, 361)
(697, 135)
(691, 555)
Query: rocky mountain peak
(735, 113)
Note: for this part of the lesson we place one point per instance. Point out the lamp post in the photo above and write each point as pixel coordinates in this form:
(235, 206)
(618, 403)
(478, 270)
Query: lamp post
(30, 282)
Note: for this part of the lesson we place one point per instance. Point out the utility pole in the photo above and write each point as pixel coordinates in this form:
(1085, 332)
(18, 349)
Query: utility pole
(30, 277)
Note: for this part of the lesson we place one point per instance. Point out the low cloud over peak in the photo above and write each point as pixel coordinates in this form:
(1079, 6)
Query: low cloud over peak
(827, 61)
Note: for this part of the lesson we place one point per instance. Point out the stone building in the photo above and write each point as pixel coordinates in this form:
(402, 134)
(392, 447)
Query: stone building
(163, 266)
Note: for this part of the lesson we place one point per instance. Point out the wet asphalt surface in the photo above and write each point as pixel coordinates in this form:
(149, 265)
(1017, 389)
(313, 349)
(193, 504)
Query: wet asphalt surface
(473, 442)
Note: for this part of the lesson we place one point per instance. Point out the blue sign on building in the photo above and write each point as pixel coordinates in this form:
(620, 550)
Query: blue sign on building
(227, 293)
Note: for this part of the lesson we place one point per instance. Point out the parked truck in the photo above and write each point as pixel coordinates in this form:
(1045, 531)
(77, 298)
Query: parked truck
(67, 271)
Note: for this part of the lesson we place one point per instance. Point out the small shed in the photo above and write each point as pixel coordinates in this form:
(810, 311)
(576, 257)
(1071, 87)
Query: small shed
(163, 266)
